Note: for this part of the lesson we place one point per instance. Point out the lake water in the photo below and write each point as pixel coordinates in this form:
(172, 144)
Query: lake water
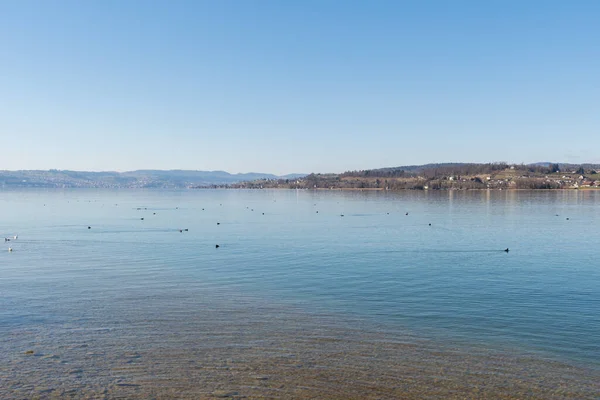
(310, 294)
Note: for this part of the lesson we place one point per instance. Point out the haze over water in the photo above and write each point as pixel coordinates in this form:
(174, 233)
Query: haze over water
(302, 279)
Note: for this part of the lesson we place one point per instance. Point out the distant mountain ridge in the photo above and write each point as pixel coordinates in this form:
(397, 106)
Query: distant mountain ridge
(193, 178)
(131, 179)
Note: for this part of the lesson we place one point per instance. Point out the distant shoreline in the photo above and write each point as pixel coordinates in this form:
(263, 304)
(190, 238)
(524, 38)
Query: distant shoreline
(405, 190)
(441, 176)
(493, 176)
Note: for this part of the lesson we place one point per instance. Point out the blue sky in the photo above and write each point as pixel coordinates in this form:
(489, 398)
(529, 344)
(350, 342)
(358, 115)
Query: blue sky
(305, 86)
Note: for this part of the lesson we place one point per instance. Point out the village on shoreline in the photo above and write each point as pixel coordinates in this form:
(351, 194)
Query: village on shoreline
(497, 176)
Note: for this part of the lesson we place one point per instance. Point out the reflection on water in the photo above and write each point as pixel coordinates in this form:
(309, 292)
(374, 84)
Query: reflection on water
(299, 304)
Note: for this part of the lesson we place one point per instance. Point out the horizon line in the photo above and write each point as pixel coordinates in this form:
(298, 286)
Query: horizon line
(291, 173)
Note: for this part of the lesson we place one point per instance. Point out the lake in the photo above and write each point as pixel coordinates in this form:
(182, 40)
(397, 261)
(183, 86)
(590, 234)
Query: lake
(310, 294)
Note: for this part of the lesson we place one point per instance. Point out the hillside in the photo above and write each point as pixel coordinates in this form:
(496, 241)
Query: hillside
(447, 176)
(132, 179)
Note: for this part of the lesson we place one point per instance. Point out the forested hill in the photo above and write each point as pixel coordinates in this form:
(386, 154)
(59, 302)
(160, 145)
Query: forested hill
(445, 169)
(428, 169)
(448, 176)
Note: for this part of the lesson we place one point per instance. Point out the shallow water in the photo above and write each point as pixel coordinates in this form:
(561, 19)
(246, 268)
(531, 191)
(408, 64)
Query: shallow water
(300, 303)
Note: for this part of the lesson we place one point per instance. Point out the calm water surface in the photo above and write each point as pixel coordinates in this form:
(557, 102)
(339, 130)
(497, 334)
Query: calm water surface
(354, 260)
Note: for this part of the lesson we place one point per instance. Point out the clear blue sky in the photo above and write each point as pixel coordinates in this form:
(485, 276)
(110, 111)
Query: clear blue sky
(304, 86)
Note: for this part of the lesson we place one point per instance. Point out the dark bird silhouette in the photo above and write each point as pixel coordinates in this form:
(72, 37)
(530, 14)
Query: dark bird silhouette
(506, 250)
(142, 219)
(216, 246)
(89, 227)
(218, 223)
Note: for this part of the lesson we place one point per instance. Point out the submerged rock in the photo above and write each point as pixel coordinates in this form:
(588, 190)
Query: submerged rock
(224, 393)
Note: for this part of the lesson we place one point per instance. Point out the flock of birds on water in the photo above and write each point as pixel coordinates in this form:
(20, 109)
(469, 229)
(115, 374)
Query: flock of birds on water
(15, 237)
(8, 240)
